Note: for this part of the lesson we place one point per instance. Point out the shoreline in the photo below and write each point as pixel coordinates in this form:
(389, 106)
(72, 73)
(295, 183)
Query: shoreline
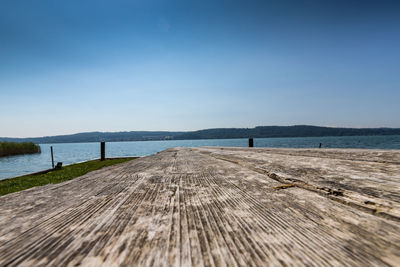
(50, 170)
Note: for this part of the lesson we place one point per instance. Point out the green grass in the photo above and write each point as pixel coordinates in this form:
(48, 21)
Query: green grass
(57, 176)
(11, 148)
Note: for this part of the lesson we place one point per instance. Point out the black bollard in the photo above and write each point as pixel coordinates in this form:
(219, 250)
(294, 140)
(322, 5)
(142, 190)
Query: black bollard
(58, 166)
(251, 142)
(102, 151)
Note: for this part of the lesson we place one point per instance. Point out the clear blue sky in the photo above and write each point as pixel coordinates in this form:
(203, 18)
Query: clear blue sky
(77, 66)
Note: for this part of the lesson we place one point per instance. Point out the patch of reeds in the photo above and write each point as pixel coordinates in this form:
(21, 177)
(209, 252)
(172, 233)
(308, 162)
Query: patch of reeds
(11, 148)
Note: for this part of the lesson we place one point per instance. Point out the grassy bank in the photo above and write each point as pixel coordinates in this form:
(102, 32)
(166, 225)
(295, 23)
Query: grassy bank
(11, 185)
(11, 148)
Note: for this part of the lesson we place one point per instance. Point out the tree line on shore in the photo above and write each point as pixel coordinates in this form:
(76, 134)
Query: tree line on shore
(217, 133)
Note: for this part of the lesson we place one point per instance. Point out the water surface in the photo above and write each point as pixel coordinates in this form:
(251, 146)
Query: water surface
(77, 152)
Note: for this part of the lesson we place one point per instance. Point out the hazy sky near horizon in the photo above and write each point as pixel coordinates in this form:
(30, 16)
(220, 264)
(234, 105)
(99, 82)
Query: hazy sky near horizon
(78, 66)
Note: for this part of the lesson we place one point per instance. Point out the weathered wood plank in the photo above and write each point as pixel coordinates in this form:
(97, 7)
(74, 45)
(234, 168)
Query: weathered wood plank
(214, 207)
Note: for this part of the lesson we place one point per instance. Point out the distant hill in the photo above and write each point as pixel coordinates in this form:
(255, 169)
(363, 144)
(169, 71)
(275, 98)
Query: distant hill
(217, 133)
(285, 131)
(98, 136)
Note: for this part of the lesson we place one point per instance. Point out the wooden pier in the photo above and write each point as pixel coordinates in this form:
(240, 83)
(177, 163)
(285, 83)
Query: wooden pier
(214, 207)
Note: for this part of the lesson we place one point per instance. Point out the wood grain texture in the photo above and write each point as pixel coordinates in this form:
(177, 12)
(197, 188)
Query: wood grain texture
(214, 207)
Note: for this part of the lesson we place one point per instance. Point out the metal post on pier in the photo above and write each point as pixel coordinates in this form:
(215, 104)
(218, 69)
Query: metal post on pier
(52, 157)
(102, 150)
(251, 142)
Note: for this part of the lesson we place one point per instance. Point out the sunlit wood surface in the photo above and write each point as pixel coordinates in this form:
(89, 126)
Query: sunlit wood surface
(214, 207)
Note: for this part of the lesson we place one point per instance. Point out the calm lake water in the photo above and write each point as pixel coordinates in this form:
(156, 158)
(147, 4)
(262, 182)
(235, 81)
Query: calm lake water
(77, 152)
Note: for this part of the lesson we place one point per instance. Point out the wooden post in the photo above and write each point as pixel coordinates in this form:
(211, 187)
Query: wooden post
(102, 150)
(52, 157)
(251, 142)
